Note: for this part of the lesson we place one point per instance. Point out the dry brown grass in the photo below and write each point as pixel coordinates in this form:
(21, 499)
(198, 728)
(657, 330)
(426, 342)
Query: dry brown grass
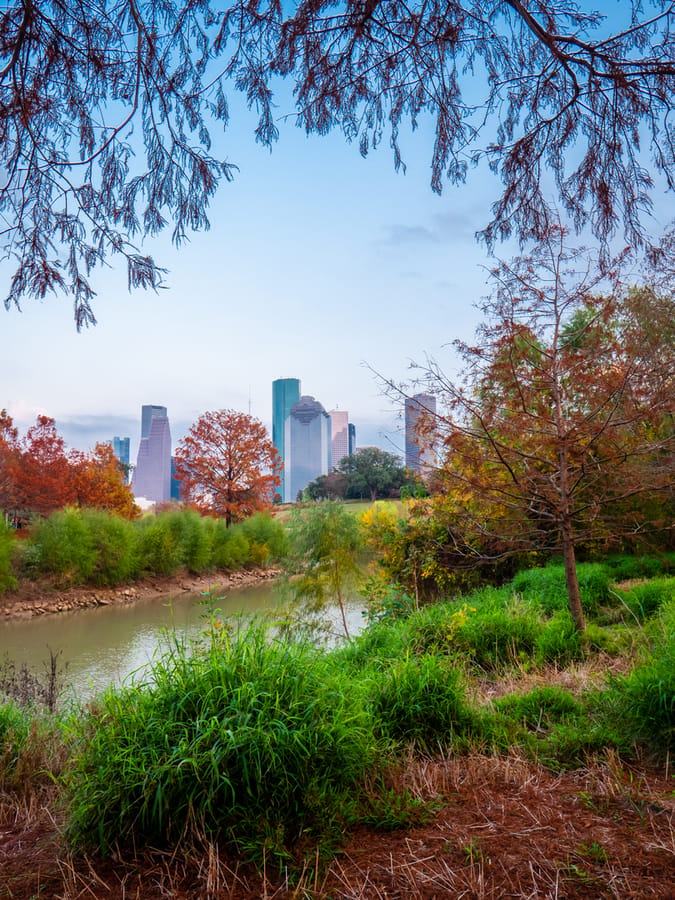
(503, 827)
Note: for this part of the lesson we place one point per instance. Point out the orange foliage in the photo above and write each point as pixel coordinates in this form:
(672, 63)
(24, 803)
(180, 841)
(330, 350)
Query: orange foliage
(38, 475)
(228, 465)
(100, 482)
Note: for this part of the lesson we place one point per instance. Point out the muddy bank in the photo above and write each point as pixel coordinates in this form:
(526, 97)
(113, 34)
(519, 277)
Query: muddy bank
(36, 598)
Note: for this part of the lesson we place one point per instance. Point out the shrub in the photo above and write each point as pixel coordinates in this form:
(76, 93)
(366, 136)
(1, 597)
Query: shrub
(159, 545)
(7, 544)
(422, 700)
(114, 541)
(267, 538)
(65, 546)
(230, 548)
(249, 738)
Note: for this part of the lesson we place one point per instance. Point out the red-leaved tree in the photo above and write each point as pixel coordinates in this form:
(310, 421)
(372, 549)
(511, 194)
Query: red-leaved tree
(560, 433)
(228, 465)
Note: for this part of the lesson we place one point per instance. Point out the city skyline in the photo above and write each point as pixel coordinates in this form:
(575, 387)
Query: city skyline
(395, 267)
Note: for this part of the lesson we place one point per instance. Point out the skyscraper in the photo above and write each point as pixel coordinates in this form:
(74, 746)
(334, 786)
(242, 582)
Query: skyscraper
(285, 392)
(120, 447)
(307, 445)
(339, 424)
(152, 477)
(419, 450)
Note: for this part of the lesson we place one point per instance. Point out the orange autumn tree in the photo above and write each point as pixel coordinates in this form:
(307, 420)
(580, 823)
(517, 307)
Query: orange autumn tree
(100, 481)
(559, 434)
(9, 462)
(228, 465)
(45, 479)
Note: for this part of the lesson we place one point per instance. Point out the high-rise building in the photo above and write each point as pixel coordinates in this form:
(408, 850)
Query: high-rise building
(152, 476)
(285, 392)
(419, 449)
(120, 447)
(339, 424)
(307, 446)
(352, 439)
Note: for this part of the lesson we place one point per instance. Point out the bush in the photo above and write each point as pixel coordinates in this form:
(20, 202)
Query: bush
(230, 546)
(267, 538)
(159, 545)
(249, 738)
(64, 546)
(422, 700)
(114, 541)
(7, 544)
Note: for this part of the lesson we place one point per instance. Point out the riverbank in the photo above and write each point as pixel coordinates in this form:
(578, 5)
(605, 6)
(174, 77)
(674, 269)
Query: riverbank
(45, 597)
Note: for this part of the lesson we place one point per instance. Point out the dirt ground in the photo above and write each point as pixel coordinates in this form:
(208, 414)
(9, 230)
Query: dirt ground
(502, 828)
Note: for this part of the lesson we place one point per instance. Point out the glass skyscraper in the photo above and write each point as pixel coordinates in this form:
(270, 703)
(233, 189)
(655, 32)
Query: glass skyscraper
(308, 446)
(285, 392)
(152, 477)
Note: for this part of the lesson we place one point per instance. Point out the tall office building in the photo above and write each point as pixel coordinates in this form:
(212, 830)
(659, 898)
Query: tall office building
(339, 424)
(120, 447)
(285, 392)
(307, 446)
(352, 439)
(419, 446)
(152, 477)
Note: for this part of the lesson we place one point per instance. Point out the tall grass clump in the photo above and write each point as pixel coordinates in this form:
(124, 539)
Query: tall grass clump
(63, 546)
(114, 540)
(32, 749)
(7, 545)
(422, 700)
(644, 699)
(249, 738)
(645, 599)
(546, 586)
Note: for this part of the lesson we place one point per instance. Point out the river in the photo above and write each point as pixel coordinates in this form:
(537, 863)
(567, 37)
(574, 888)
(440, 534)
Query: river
(105, 645)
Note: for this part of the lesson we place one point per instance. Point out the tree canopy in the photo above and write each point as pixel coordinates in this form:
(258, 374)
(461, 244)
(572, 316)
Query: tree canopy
(228, 465)
(108, 108)
(39, 475)
(563, 420)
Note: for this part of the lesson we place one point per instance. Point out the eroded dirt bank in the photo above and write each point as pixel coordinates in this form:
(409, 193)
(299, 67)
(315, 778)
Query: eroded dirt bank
(44, 597)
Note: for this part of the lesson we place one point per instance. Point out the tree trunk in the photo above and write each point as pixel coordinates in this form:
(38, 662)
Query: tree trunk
(571, 579)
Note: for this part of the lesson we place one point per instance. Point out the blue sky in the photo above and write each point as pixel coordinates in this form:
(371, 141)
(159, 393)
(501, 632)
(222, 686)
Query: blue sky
(319, 265)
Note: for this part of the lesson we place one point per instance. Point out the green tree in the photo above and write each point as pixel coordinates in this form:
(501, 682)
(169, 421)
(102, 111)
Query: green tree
(372, 472)
(107, 109)
(323, 562)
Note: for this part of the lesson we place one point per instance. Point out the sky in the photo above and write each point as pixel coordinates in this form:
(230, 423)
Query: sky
(319, 265)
